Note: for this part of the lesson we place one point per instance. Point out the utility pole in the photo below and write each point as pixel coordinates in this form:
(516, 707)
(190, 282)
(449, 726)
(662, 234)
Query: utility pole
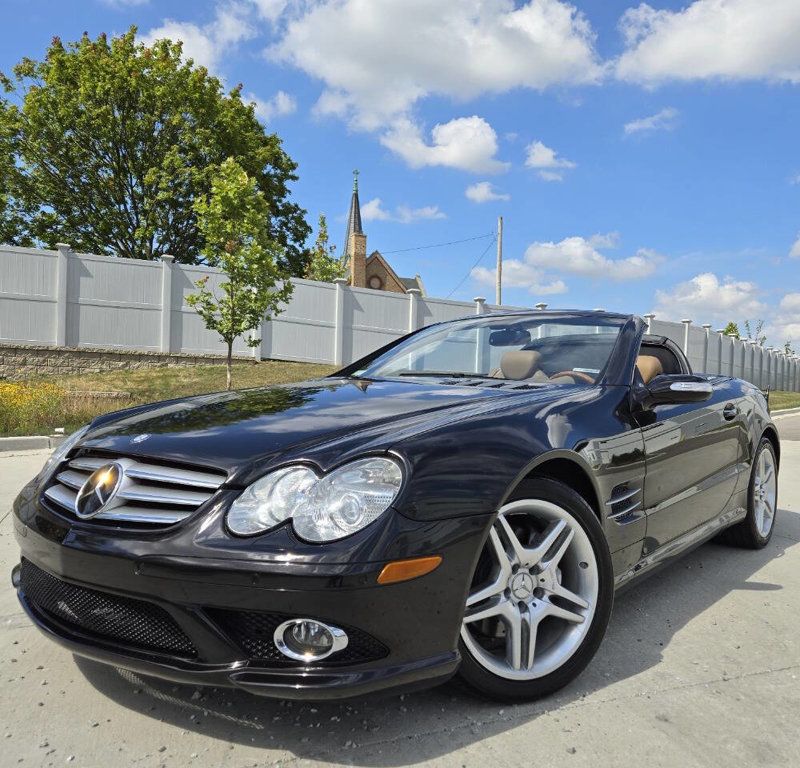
(499, 287)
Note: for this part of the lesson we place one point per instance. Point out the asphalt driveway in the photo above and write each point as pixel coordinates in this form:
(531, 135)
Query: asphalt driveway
(700, 667)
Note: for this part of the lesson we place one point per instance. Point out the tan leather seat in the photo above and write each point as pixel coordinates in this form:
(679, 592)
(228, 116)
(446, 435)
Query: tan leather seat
(520, 364)
(649, 367)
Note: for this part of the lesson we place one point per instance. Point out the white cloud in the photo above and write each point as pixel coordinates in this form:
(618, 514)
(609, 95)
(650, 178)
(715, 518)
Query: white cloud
(207, 44)
(795, 249)
(580, 256)
(706, 298)
(376, 59)
(786, 324)
(731, 39)
(373, 210)
(795, 179)
(548, 164)
(660, 121)
(270, 10)
(604, 240)
(279, 105)
(484, 192)
(518, 274)
(466, 143)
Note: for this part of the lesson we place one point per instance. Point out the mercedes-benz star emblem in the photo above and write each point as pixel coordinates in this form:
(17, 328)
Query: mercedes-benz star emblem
(98, 491)
(522, 586)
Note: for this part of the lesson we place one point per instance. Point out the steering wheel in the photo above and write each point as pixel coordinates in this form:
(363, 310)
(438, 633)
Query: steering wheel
(575, 375)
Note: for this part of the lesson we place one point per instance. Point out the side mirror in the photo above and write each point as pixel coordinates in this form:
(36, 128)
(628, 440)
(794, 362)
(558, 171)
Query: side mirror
(675, 390)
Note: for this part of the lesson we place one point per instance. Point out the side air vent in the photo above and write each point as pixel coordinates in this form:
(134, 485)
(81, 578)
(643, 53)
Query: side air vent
(624, 501)
(153, 495)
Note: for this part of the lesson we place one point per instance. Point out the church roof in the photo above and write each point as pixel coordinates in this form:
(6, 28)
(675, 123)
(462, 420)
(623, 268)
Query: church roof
(354, 217)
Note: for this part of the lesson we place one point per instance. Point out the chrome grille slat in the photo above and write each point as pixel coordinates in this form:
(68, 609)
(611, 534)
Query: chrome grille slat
(72, 479)
(153, 495)
(157, 495)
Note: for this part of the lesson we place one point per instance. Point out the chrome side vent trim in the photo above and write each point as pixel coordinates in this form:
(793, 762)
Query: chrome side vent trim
(153, 495)
(624, 501)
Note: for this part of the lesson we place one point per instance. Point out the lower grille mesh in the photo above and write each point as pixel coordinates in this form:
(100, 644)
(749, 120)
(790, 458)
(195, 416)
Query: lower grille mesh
(253, 632)
(132, 622)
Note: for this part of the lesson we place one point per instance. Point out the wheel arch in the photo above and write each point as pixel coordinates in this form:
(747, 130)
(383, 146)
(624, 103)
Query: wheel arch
(772, 435)
(567, 467)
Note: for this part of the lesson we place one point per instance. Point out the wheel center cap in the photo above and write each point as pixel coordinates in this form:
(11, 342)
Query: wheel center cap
(522, 586)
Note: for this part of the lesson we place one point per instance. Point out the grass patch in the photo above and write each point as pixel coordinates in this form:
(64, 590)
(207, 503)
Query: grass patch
(40, 405)
(779, 400)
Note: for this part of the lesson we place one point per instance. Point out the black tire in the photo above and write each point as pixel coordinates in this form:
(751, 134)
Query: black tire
(500, 688)
(745, 534)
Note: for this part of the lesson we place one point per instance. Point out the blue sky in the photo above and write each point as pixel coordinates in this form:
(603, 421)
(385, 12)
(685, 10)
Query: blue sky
(644, 157)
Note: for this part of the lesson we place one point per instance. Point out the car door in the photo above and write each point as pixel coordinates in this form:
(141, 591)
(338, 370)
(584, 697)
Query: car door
(692, 455)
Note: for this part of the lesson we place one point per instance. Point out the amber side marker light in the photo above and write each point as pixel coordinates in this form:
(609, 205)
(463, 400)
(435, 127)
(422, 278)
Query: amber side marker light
(403, 570)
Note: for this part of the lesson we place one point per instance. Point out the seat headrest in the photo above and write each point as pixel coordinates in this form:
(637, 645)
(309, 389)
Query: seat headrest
(649, 367)
(519, 364)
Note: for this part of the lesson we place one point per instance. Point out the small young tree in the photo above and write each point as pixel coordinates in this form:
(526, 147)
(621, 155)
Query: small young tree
(234, 222)
(324, 265)
(754, 332)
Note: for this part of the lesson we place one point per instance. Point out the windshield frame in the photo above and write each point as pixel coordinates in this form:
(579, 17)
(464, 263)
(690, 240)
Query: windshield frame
(616, 371)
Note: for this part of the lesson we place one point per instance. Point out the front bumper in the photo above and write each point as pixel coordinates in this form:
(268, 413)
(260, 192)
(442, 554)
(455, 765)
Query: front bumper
(408, 632)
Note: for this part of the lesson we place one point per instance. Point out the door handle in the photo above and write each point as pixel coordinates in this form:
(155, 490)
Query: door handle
(730, 412)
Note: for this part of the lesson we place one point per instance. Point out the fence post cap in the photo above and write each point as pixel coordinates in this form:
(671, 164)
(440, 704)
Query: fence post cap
(480, 299)
(340, 280)
(167, 258)
(63, 246)
(707, 326)
(541, 305)
(686, 320)
(414, 291)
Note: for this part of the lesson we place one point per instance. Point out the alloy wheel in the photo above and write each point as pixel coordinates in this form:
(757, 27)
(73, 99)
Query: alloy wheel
(765, 492)
(534, 594)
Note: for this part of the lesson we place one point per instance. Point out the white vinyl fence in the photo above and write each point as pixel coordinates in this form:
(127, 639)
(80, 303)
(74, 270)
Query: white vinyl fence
(65, 299)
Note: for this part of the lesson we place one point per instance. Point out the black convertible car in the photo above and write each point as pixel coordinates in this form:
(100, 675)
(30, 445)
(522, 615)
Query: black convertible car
(466, 499)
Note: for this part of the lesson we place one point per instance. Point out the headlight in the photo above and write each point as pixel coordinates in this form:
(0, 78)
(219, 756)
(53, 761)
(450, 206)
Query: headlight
(321, 508)
(57, 456)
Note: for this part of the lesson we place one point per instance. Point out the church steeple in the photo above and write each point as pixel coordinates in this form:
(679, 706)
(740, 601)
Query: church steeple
(355, 241)
(354, 217)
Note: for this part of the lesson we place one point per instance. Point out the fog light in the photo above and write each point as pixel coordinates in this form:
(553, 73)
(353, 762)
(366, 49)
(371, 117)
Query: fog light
(308, 640)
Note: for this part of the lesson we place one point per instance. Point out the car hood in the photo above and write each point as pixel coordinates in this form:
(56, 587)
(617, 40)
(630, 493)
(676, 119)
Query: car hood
(233, 430)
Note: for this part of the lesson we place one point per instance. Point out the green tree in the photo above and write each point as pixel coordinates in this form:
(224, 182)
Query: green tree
(732, 329)
(787, 347)
(13, 227)
(117, 140)
(234, 223)
(324, 265)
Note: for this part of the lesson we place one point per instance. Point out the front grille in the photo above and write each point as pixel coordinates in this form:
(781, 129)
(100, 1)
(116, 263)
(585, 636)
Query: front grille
(134, 623)
(253, 632)
(151, 495)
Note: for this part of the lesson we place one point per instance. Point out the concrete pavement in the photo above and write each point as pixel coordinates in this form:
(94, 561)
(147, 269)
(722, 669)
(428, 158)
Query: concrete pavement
(700, 667)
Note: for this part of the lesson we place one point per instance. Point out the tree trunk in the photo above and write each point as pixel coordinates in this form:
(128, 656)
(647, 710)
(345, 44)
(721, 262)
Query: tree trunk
(229, 366)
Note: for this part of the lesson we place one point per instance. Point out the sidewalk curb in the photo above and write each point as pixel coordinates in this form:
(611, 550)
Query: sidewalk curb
(29, 443)
(785, 412)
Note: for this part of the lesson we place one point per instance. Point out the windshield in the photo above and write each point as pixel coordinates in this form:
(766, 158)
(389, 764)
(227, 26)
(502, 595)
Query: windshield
(547, 350)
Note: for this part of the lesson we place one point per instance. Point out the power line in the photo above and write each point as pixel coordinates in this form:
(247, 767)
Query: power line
(438, 245)
(480, 259)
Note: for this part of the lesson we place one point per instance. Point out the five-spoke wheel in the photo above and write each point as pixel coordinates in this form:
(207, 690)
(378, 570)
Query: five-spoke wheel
(539, 582)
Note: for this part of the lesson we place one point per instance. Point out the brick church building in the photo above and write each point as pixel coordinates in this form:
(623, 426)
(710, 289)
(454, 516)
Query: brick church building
(371, 271)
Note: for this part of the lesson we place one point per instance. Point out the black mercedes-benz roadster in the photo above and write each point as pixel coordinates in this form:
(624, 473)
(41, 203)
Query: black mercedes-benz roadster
(466, 499)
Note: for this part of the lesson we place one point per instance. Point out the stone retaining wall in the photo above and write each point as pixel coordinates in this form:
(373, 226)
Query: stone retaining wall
(23, 361)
